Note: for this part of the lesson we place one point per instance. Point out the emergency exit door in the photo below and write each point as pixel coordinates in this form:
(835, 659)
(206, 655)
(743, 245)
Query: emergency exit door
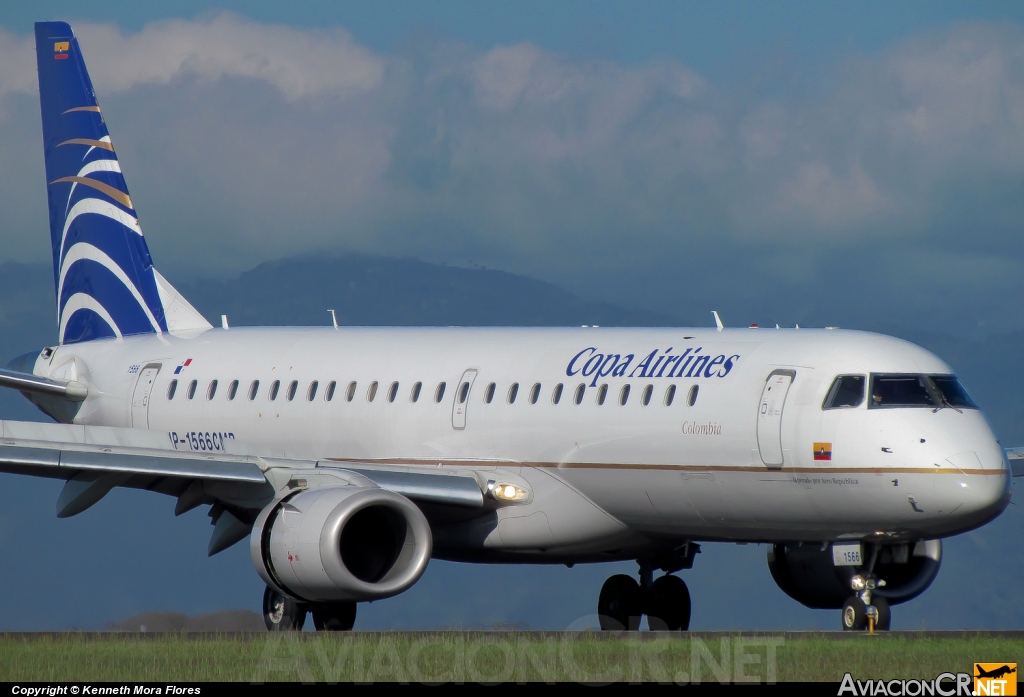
(143, 391)
(462, 399)
(769, 416)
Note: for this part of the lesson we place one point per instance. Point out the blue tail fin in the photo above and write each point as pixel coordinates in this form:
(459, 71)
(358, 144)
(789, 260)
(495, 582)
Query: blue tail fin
(106, 283)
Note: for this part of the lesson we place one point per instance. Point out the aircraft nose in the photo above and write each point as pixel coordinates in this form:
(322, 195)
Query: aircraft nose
(982, 485)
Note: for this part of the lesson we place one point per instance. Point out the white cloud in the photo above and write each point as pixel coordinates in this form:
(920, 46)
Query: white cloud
(298, 62)
(250, 140)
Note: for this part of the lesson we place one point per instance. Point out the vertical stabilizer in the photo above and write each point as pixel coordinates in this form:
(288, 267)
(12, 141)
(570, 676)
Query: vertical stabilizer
(105, 280)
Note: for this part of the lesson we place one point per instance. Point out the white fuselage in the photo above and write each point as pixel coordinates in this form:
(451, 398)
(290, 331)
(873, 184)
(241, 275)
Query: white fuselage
(652, 472)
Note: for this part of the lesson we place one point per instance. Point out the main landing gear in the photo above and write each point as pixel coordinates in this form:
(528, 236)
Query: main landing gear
(282, 614)
(665, 600)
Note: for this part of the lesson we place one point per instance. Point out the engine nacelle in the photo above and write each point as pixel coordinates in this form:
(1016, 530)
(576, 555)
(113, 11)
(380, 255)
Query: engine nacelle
(342, 543)
(807, 573)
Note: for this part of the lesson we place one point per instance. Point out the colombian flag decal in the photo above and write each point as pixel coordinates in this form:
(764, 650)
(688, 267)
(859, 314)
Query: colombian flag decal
(822, 451)
(60, 50)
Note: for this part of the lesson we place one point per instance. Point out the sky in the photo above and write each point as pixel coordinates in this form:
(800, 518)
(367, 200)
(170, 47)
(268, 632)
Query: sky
(811, 163)
(793, 162)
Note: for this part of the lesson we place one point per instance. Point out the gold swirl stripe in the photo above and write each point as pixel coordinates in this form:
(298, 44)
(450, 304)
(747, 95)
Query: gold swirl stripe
(88, 141)
(119, 196)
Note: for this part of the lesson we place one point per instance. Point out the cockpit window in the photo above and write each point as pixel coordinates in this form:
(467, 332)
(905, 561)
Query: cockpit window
(953, 392)
(900, 391)
(846, 391)
(935, 391)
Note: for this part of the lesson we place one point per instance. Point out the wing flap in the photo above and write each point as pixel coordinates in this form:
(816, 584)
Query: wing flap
(61, 451)
(445, 488)
(163, 466)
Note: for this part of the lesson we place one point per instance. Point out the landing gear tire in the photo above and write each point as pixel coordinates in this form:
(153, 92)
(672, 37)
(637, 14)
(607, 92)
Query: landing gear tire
(282, 614)
(670, 604)
(855, 615)
(620, 604)
(334, 617)
(883, 616)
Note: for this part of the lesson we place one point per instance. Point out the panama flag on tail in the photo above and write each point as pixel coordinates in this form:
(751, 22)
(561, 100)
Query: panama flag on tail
(106, 284)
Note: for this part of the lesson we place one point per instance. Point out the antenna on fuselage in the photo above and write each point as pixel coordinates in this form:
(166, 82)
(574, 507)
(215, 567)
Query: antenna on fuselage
(334, 319)
(718, 320)
(223, 321)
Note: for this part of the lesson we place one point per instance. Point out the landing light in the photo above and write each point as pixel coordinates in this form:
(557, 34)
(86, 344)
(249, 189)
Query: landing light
(506, 492)
(857, 583)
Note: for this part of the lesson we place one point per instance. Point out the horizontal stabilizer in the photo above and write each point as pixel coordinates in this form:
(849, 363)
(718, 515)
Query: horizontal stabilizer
(1016, 459)
(26, 382)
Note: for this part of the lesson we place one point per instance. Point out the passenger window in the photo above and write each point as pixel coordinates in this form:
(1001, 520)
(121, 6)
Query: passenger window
(846, 391)
(351, 391)
(623, 395)
(311, 392)
(171, 389)
(331, 387)
(900, 391)
(691, 398)
(275, 387)
(556, 394)
(415, 396)
(371, 391)
(489, 393)
(393, 392)
(535, 393)
(578, 399)
(253, 389)
(513, 392)
(645, 398)
(670, 395)
(602, 392)
(211, 390)
(191, 389)
(232, 390)
(463, 392)
(439, 392)
(293, 387)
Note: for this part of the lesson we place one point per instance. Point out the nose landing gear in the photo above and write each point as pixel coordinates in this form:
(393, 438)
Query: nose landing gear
(865, 610)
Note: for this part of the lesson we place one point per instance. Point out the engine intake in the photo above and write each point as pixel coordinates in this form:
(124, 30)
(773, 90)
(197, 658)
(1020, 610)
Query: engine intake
(807, 573)
(344, 543)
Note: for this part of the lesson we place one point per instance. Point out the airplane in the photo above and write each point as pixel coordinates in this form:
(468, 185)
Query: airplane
(995, 672)
(351, 456)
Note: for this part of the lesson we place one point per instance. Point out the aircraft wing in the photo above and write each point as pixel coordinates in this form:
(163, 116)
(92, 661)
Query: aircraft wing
(236, 481)
(1016, 458)
(100, 458)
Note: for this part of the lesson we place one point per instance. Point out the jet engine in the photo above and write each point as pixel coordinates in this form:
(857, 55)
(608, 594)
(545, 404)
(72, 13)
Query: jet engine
(341, 543)
(807, 573)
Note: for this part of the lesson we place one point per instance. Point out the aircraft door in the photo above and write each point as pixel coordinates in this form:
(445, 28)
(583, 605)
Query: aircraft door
(462, 399)
(140, 398)
(769, 416)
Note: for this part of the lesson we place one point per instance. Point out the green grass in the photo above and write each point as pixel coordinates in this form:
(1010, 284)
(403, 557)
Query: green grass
(491, 657)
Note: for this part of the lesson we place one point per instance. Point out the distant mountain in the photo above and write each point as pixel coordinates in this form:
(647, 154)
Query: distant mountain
(374, 291)
(223, 621)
